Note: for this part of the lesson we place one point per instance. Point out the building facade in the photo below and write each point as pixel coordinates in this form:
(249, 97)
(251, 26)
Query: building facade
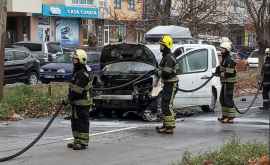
(119, 23)
(74, 22)
(21, 19)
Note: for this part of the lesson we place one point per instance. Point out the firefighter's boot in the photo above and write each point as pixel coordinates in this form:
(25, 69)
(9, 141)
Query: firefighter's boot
(165, 130)
(161, 129)
(70, 145)
(227, 120)
(77, 146)
(220, 119)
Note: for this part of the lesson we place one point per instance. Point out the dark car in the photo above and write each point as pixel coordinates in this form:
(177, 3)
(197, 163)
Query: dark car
(120, 64)
(20, 66)
(61, 70)
(44, 51)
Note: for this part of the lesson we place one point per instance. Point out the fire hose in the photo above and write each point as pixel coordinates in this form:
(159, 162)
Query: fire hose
(138, 79)
(7, 158)
(4, 159)
(252, 102)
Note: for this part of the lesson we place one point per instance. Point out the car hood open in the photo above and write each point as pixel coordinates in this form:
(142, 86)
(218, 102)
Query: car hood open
(127, 52)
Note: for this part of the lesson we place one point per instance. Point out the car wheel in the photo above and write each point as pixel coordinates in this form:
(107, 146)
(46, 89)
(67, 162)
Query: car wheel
(153, 114)
(32, 78)
(212, 106)
(45, 81)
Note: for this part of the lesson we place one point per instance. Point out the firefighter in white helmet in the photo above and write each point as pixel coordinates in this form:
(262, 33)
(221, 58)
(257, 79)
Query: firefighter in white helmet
(227, 74)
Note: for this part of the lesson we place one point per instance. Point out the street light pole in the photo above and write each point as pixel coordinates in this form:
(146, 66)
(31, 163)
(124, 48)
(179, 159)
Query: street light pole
(3, 20)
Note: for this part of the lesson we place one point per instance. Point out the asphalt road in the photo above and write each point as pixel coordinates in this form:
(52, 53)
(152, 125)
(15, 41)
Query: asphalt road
(116, 142)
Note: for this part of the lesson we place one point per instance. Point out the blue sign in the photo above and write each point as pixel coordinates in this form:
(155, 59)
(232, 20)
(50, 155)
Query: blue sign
(69, 11)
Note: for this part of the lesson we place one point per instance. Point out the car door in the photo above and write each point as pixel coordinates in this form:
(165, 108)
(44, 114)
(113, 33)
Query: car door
(8, 67)
(20, 65)
(194, 68)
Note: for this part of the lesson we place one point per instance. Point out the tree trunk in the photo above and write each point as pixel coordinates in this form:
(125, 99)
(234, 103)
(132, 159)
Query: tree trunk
(3, 19)
(166, 12)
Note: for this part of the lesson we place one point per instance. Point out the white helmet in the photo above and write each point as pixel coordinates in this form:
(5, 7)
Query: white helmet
(226, 45)
(267, 51)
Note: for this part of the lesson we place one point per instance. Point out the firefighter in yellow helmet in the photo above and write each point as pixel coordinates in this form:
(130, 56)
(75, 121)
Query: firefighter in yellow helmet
(227, 73)
(167, 72)
(79, 97)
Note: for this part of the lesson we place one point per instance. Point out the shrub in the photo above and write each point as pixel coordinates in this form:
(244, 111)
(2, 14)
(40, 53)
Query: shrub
(232, 153)
(32, 101)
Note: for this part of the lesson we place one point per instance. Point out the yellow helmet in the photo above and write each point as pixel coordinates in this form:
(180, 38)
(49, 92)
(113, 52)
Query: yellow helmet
(81, 56)
(167, 41)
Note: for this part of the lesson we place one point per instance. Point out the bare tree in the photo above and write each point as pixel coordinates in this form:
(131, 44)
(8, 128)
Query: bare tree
(3, 19)
(259, 12)
(198, 15)
(157, 12)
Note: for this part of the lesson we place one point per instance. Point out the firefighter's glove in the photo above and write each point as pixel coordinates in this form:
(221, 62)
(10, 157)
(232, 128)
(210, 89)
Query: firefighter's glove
(65, 102)
(217, 72)
(260, 85)
(158, 72)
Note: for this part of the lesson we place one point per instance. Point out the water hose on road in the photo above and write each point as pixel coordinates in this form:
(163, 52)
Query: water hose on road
(251, 104)
(4, 159)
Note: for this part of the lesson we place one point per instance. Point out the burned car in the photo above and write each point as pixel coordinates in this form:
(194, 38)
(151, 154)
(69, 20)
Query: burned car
(121, 64)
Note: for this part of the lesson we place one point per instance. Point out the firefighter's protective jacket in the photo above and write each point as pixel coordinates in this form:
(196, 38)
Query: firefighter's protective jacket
(80, 88)
(266, 71)
(227, 71)
(168, 68)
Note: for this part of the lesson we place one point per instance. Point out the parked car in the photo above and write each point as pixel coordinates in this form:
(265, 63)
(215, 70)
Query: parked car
(123, 63)
(20, 66)
(61, 70)
(253, 60)
(44, 51)
(196, 63)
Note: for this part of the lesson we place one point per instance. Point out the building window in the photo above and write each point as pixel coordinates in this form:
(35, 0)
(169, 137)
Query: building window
(117, 4)
(131, 4)
(83, 2)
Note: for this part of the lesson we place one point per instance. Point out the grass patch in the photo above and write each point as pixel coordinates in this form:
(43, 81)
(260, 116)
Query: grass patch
(231, 153)
(31, 101)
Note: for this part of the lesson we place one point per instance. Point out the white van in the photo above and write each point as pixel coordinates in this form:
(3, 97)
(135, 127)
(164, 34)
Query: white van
(180, 35)
(195, 64)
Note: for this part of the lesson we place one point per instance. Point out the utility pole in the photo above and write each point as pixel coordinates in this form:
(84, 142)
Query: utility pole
(3, 21)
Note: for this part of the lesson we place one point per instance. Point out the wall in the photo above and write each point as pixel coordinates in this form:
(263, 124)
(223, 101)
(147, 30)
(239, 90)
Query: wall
(124, 13)
(95, 3)
(33, 6)
(33, 28)
(53, 1)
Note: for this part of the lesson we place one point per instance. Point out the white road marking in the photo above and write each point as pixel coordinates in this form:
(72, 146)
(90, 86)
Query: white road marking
(106, 132)
(250, 108)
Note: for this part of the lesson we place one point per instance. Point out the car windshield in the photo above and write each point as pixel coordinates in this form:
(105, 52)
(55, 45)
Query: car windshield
(128, 67)
(64, 59)
(34, 47)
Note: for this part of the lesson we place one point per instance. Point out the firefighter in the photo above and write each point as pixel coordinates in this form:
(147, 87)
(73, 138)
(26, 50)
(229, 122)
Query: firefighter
(266, 80)
(79, 98)
(227, 73)
(167, 72)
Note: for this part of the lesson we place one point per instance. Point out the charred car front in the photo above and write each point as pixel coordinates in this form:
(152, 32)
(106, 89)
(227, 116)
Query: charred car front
(121, 64)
